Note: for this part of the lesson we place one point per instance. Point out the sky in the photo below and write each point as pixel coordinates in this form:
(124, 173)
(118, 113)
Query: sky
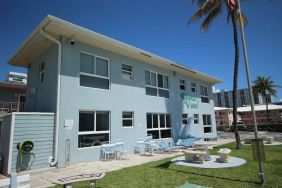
(160, 27)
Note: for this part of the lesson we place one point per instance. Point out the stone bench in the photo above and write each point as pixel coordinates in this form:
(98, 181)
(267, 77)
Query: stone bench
(223, 155)
(69, 180)
(194, 156)
(268, 139)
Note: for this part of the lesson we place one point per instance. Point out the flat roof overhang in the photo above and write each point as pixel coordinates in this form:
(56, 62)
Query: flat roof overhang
(36, 44)
(12, 85)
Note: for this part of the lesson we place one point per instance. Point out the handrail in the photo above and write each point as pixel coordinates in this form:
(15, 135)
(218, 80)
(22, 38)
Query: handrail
(11, 106)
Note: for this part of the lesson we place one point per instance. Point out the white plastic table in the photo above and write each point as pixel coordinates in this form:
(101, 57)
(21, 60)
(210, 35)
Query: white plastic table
(206, 145)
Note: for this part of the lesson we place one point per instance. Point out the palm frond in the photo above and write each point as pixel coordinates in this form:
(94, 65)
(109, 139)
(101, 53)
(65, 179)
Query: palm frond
(263, 85)
(237, 19)
(211, 16)
(205, 9)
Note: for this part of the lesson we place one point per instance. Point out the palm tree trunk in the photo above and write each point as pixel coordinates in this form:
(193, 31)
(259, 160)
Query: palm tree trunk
(235, 80)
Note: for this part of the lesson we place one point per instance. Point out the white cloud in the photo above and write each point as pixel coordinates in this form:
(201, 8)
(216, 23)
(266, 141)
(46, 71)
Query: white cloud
(214, 90)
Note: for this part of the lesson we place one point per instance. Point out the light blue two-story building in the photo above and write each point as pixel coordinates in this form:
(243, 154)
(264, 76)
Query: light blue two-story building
(85, 88)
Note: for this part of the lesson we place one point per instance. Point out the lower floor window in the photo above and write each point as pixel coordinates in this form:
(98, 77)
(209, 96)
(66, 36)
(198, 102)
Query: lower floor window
(196, 118)
(158, 125)
(90, 140)
(184, 119)
(94, 128)
(127, 119)
(207, 130)
(207, 123)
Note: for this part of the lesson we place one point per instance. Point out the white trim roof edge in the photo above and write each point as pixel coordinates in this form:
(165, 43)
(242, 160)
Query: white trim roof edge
(222, 108)
(80, 29)
(33, 113)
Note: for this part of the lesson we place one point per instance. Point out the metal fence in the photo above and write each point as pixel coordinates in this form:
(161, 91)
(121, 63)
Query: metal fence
(11, 106)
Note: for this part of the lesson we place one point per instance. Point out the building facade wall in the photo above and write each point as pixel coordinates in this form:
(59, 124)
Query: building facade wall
(224, 98)
(224, 117)
(41, 96)
(123, 95)
(19, 127)
(275, 116)
(38, 128)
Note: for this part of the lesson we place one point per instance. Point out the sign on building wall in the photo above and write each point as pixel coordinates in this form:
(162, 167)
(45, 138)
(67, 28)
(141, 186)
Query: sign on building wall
(191, 102)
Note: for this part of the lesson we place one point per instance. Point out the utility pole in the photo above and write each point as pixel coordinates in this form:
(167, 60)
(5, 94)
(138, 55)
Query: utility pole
(261, 173)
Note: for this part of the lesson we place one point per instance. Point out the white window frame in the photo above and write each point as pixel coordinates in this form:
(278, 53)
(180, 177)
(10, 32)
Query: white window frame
(159, 126)
(94, 131)
(193, 87)
(157, 83)
(205, 96)
(42, 72)
(196, 118)
(127, 76)
(132, 119)
(182, 83)
(185, 119)
(205, 122)
(94, 74)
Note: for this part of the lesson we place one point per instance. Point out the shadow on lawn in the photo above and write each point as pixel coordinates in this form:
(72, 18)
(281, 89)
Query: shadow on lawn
(166, 166)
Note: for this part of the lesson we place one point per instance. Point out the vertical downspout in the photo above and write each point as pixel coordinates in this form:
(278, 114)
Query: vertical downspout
(54, 160)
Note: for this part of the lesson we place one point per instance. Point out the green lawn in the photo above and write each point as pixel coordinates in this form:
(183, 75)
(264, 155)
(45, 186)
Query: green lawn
(165, 174)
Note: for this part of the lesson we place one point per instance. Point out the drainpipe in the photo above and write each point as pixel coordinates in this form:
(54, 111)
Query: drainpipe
(54, 160)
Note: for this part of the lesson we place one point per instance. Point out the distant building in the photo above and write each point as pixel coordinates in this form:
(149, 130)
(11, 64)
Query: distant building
(15, 77)
(275, 114)
(278, 103)
(224, 98)
(13, 93)
(224, 116)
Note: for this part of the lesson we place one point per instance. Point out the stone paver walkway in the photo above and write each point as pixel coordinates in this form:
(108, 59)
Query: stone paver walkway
(43, 179)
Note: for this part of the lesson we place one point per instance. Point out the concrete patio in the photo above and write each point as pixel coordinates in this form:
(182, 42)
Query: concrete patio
(45, 177)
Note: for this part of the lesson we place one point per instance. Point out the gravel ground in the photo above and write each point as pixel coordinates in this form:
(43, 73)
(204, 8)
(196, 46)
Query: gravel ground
(244, 134)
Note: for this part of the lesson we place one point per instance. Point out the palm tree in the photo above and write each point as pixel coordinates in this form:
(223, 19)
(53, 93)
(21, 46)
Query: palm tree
(265, 87)
(210, 10)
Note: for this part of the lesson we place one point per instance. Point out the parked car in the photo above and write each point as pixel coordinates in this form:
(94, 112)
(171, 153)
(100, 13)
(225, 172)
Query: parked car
(241, 127)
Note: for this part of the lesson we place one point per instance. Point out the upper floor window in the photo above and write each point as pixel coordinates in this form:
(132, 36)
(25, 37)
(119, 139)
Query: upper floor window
(156, 84)
(193, 87)
(127, 119)
(94, 71)
(42, 71)
(204, 94)
(182, 84)
(126, 71)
